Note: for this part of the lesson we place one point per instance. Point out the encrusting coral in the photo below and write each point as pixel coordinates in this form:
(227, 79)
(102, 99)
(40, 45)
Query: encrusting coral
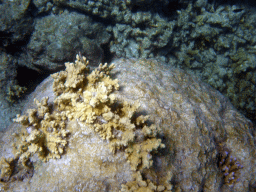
(86, 97)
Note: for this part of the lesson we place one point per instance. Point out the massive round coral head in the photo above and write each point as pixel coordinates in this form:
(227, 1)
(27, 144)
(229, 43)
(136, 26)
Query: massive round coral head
(152, 130)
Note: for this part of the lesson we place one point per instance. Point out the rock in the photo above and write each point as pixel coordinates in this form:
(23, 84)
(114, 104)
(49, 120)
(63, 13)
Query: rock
(209, 146)
(57, 38)
(9, 90)
(16, 23)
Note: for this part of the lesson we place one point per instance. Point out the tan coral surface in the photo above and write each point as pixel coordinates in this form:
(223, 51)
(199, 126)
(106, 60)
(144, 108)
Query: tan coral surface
(161, 131)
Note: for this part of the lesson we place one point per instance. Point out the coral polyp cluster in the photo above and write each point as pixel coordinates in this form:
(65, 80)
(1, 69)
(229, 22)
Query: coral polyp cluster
(229, 166)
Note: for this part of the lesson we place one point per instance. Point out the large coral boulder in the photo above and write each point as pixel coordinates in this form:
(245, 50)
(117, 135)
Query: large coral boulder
(156, 129)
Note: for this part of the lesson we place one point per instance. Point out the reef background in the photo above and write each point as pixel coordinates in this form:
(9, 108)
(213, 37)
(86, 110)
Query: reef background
(216, 40)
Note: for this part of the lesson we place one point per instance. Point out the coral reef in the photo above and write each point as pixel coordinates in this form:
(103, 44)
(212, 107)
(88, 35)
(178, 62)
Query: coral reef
(86, 98)
(152, 130)
(215, 41)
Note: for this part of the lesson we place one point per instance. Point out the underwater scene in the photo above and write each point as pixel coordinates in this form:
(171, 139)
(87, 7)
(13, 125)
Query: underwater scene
(127, 95)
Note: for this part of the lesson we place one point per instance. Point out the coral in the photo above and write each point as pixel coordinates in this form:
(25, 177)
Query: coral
(92, 104)
(45, 130)
(14, 92)
(140, 185)
(156, 133)
(11, 169)
(138, 153)
(6, 169)
(229, 165)
(44, 135)
(87, 97)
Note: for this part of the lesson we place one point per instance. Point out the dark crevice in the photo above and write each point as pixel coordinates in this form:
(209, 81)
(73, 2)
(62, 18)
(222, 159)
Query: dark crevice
(29, 78)
(108, 56)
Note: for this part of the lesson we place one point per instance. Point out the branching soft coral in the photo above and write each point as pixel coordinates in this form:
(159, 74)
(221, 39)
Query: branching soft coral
(90, 99)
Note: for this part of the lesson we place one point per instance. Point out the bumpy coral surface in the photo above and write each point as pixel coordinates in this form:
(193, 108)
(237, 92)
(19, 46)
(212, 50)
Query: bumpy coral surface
(152, 130)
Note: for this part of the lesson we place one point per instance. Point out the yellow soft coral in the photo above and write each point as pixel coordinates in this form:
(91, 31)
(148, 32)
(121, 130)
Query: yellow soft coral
(91, 101)
(92, 92)
(45, 133)
(6, 169)
(88, 98)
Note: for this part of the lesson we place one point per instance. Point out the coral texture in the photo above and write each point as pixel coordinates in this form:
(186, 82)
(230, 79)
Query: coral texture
(86, 98)
(152, 130)
(215, 41)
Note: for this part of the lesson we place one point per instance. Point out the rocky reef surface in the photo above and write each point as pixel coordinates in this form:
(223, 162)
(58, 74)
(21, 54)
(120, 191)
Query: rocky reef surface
(135, 127)
(213, 39)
